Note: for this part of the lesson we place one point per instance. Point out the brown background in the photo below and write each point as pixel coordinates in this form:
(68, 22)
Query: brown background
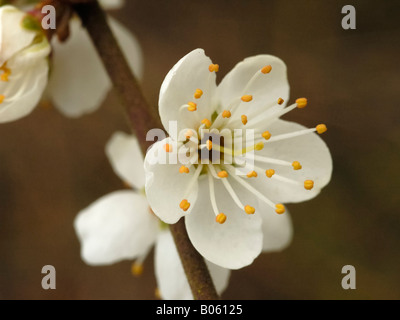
(51, 167)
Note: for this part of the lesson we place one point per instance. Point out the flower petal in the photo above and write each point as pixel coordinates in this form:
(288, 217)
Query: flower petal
(277, 229)
(165, 186)
(115, 227)
(179, 87)
(126, 158)
(265, 89)
(23, 90)
(312, 153)
(13, 36)
(170, 275)
(234, 244)
(112, 4)
(79, 82)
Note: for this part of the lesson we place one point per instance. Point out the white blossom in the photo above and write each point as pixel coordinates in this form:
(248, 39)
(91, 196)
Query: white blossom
(23, 63)
(230, 162)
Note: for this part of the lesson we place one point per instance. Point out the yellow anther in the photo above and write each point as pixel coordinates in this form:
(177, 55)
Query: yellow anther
(213, 67)
(209, 144)
(192, 106)
(226, 114)
(321, 128)
(280, 208)
(137, 269)
(247, 98)
(189, 133)
(244, 119)
(206, 122)
(168, 147)
(198, 93)
(4, 76)
(2, 97)
(259, 146)
(249, 209)
(252, 174)
(280, 101)
(183, 169)
(296, 165)
(266, 69)
(221, 218)
(269, 173)
(222, 174)
(308, 184)
(184, 205)
(6, 72)
(301, 102)
(266, 135)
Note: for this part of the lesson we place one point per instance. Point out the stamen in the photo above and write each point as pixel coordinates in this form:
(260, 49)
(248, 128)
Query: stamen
(308, 184)
(183, 169)
(296, 165)
(2, 97)
(168, 147)
(259, 146)
(321, 128)
(206, 122)
(252, 174)
(280, 101)
(268, 160)
(301, 102)
(266, 135)
(244, 119)
(209, 144)
(266, 69)
(6, 72)
(223, 174)
(221, 218)
(269, 173)
(192, 106)
(289, 135)
(280, 208)
(226, 114)
(137, 269)
(192, 181)
(250, 188)
(228, 188)
(189, 133)
(247, 98)
(213, 67)
(184, 205)
(198, 93)
(249, 209)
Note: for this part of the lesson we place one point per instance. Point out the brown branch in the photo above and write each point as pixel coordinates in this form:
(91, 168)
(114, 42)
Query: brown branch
(142, 119)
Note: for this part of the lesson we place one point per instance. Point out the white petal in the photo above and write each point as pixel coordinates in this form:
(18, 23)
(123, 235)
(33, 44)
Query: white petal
(79, 82)
(115, 227)
(23, 90)
(13, 37)
(266, 89)
(171, 278)
(126, 158)
(312, 153)
(179, 86)
(112, 4)
(165, 186)
(234, 244)
(277, 229)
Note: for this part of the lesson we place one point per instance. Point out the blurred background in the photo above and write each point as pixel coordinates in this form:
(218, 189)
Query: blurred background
(51, 167)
